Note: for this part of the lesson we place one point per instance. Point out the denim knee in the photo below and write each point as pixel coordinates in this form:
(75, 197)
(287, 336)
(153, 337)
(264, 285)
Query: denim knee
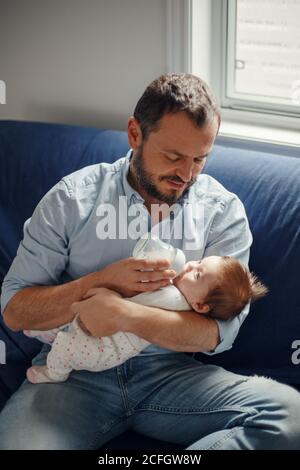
(277, 413)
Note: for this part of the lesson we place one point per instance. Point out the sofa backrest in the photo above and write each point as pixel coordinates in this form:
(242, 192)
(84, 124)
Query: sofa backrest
(35, 156)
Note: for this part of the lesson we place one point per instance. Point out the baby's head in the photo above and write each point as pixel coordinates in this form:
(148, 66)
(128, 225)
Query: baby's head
(219, 286)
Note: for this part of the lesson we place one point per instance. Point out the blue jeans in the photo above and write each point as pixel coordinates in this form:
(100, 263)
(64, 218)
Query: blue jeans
(171, 397)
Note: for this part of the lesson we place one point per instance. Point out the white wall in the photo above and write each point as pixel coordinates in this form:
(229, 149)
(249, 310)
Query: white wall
(79, 61)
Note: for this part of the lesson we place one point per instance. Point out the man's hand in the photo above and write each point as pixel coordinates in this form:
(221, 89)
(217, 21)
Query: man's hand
(99, 311)
(132, 276)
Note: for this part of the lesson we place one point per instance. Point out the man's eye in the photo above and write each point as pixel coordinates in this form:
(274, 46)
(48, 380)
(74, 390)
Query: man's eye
(173, 158)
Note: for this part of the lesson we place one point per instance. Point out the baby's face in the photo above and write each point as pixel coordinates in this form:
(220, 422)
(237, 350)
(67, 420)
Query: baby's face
(197, 279)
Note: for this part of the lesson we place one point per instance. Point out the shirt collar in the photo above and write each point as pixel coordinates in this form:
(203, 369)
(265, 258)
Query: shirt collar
(132, 195)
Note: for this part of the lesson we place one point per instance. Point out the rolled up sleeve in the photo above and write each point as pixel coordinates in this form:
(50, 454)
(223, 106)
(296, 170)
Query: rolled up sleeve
(230, 235)
(228, 331)
(43, 253)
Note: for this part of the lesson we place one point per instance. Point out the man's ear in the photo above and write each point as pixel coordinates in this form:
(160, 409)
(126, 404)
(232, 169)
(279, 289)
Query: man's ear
(135, 137)
(200, 308)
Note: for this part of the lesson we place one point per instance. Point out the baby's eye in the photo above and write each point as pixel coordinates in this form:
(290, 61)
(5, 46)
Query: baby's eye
(197, 275)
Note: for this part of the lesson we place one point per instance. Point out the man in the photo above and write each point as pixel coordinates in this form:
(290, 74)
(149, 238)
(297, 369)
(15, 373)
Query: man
(65, 266)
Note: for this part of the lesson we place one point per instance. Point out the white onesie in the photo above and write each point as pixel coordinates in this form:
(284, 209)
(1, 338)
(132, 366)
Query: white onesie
(73, 349)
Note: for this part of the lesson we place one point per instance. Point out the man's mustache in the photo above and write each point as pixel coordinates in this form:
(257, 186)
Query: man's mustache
(177, 180)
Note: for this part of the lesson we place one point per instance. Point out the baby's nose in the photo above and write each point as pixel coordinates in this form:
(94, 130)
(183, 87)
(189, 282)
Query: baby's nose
(190, 265)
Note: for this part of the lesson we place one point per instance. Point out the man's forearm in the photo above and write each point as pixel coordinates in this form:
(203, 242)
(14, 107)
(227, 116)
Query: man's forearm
(46, 307)
(178, 331)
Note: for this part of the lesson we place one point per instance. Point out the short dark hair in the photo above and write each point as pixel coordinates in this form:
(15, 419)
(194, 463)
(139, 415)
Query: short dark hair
(172, 93)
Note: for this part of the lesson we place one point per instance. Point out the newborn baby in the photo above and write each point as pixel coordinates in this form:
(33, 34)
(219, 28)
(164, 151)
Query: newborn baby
(217, 286)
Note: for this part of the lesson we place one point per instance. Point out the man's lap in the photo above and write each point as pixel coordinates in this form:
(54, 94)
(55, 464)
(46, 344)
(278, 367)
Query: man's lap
(170, 397)
(189, 402)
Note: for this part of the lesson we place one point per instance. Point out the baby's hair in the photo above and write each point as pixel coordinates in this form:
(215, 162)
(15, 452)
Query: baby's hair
(235, 287)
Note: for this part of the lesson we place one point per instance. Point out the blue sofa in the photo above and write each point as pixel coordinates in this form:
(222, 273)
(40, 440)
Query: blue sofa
(35, 156)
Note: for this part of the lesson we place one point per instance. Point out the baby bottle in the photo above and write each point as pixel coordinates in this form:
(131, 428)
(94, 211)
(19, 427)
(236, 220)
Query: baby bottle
(152, 248)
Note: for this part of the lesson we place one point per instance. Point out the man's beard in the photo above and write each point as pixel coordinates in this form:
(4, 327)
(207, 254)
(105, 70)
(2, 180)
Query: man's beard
(145, 180)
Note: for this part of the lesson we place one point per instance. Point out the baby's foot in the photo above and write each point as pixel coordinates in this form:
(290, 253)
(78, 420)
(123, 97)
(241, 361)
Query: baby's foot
(40, 374)
(44, 336)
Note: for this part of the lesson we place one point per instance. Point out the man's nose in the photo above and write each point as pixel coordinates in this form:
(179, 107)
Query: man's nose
(185, 171)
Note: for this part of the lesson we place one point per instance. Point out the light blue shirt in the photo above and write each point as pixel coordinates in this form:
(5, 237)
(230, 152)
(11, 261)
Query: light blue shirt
(62, 242)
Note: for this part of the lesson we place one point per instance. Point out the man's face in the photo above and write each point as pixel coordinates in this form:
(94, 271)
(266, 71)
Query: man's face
(168, 162)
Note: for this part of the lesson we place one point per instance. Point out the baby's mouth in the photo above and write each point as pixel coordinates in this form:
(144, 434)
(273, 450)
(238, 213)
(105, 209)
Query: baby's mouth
(178, 278)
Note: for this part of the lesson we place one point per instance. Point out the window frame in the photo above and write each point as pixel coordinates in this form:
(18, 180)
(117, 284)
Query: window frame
(184, 35)
(230, 101)
(243, 115)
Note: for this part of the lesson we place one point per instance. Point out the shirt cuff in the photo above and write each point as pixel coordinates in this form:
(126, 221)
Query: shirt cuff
(227, 333)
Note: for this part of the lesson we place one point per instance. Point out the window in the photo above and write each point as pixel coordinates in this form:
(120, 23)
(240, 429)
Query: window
(249, 52)
(262, 67)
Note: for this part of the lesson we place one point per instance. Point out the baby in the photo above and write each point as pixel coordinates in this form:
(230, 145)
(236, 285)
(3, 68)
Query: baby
(217, 286)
